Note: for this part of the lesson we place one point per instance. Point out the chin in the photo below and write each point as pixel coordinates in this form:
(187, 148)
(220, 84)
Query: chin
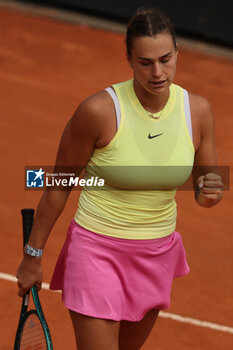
(157, 90)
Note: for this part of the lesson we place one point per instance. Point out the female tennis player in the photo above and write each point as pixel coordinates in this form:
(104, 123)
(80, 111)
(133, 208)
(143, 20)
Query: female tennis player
(122, 252)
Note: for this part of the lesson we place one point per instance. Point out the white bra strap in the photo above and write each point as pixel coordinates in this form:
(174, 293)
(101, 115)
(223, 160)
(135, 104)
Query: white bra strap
(116, 104)
(188, 113)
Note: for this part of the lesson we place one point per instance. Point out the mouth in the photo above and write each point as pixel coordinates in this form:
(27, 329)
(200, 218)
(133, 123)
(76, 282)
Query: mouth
(158, 84)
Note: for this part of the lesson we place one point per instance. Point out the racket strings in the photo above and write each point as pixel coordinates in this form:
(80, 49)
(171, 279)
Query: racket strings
(33, 337)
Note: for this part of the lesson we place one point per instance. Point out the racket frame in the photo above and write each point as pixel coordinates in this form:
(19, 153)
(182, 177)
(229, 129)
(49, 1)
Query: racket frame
(27, 215)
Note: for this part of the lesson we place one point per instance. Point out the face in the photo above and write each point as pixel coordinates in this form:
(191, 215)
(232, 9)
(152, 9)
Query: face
(153, 60)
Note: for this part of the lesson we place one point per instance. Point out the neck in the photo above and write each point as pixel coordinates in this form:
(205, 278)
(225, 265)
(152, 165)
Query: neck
(152, 103)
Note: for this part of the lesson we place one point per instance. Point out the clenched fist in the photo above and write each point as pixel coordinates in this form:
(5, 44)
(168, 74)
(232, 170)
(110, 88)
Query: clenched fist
(209, 190)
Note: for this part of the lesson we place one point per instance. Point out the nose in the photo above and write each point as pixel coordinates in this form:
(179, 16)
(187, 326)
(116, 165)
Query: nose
(157, 70)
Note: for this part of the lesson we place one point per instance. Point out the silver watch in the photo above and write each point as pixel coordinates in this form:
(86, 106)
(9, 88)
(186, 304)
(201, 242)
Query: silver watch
(33, 251)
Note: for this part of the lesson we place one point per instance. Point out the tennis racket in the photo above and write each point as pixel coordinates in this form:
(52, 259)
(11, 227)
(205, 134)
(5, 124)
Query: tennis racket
(32, 332)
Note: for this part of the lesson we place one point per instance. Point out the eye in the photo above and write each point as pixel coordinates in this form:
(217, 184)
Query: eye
(145, 63)
(165, 60)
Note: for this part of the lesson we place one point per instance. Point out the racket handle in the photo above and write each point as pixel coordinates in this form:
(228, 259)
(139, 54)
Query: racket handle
(27, 216)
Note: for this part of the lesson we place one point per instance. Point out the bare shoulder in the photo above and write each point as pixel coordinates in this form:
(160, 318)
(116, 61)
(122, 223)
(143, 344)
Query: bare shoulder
(94, 107)
(92, 113)
(202, 118)
(96, 102)
(201, 111)
(84, 130)
(199, 104)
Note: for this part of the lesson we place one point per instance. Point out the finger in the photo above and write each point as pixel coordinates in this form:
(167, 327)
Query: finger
(212, 176)
(211, 190)
(211, 196)
(22, 291)
(38, 286)
(211, 183)
(200, 182)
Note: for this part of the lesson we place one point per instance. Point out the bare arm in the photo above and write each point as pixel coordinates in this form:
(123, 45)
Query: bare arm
(76, 147)
(206, 181)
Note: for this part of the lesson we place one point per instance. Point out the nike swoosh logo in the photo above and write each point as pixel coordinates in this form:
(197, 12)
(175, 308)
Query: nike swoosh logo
(151, 137)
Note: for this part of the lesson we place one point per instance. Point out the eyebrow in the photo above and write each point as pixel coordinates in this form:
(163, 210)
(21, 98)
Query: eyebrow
(149, 59)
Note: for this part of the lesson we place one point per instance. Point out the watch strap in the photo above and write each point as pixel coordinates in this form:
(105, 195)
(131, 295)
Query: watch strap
(33, 251)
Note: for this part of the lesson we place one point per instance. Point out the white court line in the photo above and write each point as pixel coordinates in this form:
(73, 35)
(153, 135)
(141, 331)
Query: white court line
(175, 317)
(195, 322)
(11, 278)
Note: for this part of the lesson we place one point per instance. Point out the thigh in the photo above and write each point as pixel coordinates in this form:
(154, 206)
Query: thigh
(94, 333)
(132, 335)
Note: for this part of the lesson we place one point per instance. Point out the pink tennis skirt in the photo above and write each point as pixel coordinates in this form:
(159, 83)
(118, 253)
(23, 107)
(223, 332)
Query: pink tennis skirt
(114, 278)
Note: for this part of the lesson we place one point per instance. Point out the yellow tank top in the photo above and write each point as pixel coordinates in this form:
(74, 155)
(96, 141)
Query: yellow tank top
(142, 166)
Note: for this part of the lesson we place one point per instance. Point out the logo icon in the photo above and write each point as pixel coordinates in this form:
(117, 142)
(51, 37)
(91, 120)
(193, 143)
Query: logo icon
(151, 137)
(35, 178)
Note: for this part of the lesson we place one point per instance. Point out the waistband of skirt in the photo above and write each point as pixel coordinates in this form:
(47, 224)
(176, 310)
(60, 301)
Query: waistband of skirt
(139, 242)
